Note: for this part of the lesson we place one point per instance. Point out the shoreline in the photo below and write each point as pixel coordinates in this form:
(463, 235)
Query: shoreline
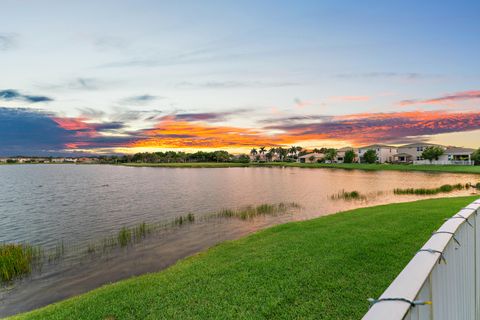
(266, 251)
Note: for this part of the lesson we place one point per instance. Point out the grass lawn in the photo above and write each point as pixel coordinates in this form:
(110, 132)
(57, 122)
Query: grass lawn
(324, 268)
(347, 166)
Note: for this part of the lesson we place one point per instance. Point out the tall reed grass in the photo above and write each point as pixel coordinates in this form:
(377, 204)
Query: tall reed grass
(250, 212)
(17, 260)
(446, 188)
(348, 195)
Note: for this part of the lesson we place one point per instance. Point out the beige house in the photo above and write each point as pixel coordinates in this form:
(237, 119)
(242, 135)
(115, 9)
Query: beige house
(412, 152)
(384, 153)
(341, 154)
(311, 158)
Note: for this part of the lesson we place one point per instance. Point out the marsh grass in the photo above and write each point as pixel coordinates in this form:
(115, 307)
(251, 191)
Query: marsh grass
(446, 188)
(17, 260)
(348, 195)
(250, 212)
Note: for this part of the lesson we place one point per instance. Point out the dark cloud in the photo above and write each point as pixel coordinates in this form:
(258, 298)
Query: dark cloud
(206, 116)
(140, 99)
(383, 127)
(296, 119)
(10, 94)
(25, 131)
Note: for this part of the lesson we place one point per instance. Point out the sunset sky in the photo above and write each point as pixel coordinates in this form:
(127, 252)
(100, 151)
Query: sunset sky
(129, 76)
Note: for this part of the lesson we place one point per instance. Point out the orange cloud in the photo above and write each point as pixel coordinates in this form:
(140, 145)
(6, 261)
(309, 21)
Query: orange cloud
(356, 128)
(446, 100)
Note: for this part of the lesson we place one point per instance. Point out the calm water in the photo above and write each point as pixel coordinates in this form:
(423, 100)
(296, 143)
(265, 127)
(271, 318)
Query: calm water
(45, 204)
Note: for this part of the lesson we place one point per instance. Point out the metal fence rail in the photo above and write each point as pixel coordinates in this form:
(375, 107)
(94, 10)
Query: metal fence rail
(442, 281)
(445, 162)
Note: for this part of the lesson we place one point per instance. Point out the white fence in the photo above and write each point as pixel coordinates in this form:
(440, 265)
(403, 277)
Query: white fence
(446, 162)
(442, 281)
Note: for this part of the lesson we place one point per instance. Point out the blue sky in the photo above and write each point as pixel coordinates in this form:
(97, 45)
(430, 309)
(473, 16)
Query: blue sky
(253, 66)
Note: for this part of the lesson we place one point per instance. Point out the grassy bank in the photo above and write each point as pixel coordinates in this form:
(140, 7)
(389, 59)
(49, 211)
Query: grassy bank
(324, 268)
(347, 166)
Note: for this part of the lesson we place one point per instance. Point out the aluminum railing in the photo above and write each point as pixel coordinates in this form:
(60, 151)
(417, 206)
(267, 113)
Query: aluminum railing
(442, 281)
(445, 162)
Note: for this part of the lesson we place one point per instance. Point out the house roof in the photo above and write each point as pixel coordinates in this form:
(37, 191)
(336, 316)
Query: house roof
(345, 149)
(375, 146)
(419, 144)
(458, 150)
(316, 155)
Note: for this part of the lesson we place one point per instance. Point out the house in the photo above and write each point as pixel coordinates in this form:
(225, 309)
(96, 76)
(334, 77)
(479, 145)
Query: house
(385, 153)
(457, 155)
(311, 158)
(341, 154)
(412, 152)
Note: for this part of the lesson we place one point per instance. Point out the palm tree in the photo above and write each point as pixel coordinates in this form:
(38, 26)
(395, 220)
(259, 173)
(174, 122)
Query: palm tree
(292, 151)
(272, 151)
(262, 151)
(282, 153)
(253, 152)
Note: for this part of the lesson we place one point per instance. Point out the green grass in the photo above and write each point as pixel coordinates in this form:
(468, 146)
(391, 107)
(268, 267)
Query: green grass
(446, 188)
(324, 268)
(16, 260)
(347, 166)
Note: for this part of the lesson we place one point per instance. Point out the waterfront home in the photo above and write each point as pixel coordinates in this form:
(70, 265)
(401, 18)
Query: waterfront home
(311, 158)
(3, 160)
(412, 152)
(452, 155)
(384, 153)
(341, 154)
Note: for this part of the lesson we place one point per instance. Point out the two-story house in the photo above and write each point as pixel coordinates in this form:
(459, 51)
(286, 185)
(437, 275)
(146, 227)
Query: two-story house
(384, 153)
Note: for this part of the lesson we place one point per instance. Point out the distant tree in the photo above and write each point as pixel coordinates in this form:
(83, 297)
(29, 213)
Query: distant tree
(253, 152)
(349, 156)
(316, 150)
(282, 153)
(370, 156)
(330, 154)
(476, 157)
(311, 158)
(262, 150)
(243, 158)
(432, 153)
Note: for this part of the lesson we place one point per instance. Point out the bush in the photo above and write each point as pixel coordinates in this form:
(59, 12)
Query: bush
(432, 153)
(349, 156)
(370, 156)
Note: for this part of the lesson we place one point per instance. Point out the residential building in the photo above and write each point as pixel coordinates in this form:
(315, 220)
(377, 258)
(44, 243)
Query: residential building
(412, 152)
(311, 158)
(341, 154)
(452, 155)
(385, 153)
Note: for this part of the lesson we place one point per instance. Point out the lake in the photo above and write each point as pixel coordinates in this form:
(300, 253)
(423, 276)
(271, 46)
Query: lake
(76, 204)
